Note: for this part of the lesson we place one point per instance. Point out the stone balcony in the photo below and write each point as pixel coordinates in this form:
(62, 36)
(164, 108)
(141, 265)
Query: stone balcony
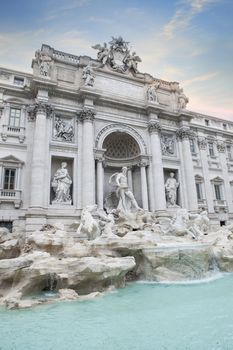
(202, 204)
(220, 205)
(11, 196)
(13, 131)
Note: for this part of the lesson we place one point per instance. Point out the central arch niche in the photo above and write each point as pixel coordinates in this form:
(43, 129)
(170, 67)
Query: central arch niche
(121, 149)
(120, 145)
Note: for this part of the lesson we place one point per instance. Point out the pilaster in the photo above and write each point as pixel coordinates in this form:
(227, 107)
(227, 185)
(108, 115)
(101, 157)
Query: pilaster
(154, 129)
(183, 135)
(86, 116)
(38, 113)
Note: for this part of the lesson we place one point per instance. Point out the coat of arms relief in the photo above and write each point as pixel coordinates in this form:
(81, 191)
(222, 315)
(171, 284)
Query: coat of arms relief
(118, 56)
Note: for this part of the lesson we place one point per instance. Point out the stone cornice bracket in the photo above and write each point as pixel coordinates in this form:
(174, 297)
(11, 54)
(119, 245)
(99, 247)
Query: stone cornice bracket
(87, 114)
(202, 143)
(185, 133)
(221, 147)
(154, 126)
(39, 108)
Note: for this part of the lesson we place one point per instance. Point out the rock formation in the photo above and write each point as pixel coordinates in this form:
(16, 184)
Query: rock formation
(126, 248)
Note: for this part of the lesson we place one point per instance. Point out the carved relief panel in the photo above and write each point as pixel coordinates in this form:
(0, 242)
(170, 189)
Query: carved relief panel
(168, 147)
(63, 128)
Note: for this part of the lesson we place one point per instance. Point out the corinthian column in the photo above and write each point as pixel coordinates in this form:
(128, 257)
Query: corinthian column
(88, 163)
(183, 134)
(39, 112)
(157, 166)
(144, 190)
(202, 144)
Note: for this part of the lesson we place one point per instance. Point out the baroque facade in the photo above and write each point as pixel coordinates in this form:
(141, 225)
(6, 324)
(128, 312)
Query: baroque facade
(69, 126)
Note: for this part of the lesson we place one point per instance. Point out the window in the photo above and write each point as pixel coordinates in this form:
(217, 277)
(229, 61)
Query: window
(224, 126)
(211, 149)
(199, 191)
(192, 146)
(229, 152)
(18, 81)
(14, 119)
(207, 122)
(9, 179)
(218, 192)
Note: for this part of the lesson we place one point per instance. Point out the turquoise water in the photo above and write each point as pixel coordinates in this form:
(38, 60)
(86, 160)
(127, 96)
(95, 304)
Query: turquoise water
(139, 317)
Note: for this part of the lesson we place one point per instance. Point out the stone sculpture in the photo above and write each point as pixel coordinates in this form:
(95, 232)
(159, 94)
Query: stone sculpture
(152, 92)
(132, 61)
(127, 202)
(171, 186)
(61, 185)
(63, 130)
(167, 145)
(103, 52)
(118, 56)
(182, 99)
(44, 61)
(88, 75)
(89, 225)
(198, 224)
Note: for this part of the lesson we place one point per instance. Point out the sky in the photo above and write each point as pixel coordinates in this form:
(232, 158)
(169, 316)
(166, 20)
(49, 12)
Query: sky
(189, 41)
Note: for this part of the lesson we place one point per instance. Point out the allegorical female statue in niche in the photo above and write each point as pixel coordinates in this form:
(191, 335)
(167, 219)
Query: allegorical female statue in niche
(171, 186)
(61, 185)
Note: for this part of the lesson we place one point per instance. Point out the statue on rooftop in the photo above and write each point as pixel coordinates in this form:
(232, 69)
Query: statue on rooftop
(88, 75)
(118, 57)
(44, 62)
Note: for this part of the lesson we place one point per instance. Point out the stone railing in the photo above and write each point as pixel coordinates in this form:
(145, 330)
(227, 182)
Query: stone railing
(220, 204)
(13, 131)
(59, 55)
(11, 196)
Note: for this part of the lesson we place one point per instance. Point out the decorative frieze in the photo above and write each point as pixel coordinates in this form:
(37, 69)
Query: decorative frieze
(154, 126)
(86, 114)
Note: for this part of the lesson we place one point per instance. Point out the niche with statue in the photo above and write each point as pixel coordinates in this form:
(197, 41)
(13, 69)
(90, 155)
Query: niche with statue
(61, 192)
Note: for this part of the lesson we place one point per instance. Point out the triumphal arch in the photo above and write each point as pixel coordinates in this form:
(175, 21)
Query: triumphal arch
(73, 123)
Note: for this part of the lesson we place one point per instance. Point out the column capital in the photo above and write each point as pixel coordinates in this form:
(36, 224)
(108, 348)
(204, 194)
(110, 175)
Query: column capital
(154, 126)
(86, 114)
(143, 163)
(221, 147)
(184, 133)
(202, 143)
(39, 107)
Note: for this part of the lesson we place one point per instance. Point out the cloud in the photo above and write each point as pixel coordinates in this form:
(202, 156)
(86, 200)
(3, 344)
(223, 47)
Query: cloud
(184, 15)
(199, 78)
(59, 10)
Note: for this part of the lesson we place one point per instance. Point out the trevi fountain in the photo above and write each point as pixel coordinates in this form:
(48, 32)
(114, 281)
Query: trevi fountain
(164, 265)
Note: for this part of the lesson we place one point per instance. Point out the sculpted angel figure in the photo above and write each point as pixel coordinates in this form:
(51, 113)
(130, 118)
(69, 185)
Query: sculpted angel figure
(103, 53)
(61, 184)
(126, 197)
(132, 61)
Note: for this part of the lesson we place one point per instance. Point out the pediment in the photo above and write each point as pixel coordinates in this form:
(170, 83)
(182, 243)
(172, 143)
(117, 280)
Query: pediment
(11, 159)
(217, 179)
